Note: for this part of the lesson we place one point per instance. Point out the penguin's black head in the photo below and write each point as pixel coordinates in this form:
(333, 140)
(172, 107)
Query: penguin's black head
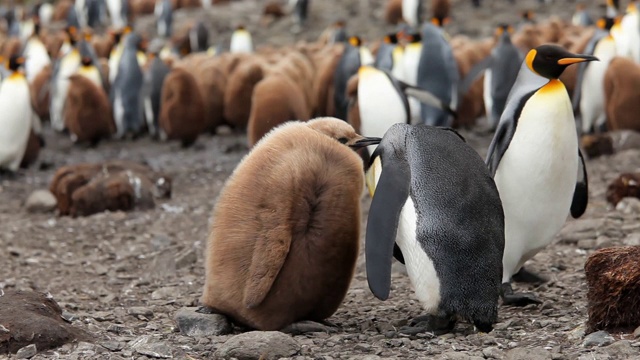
(15, 62)
(605, 23)
(504, 29)
(72, 32)
(440, 21)
(550, 60)
(355, 41)
(391, 39)
(413, 38)
(528, 15)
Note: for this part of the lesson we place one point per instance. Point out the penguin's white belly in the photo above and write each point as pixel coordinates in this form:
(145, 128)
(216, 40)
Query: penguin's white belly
(148, 111)
(36, 59)
(536, 177)
(15, 122)
(68, 66)
(420, 267)
(488, 99)
(631, 30)
(118, 113)
(410, 11)
(592, 92)
(241, 43)
(380, 106)
(410, 62)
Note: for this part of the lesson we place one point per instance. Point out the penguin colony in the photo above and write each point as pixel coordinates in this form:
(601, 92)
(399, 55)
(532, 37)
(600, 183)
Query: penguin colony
(395, 100)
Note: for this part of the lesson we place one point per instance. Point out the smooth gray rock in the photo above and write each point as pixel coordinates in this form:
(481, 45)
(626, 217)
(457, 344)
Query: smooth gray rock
(535, 353)
(622, 349)
(27, 352)
(629, 205)
(598, 338)
(254, 345)
(577, 333)
(493, 352)
(146, 345)
(142, 311)
(195, 324)
(41, 201)
(636, 333)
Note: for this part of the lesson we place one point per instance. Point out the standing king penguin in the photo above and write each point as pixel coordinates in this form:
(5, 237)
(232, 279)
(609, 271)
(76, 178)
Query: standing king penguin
(441, 216)
(501, 69)
(125, 91)
(588, 96)
(285, 234)
(15, 122)
(438, 74)
(536, 163)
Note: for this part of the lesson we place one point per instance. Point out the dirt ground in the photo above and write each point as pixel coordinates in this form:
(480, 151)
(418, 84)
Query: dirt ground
(100, 267)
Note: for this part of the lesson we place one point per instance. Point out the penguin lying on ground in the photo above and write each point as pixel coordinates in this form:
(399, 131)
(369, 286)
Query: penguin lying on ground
(536, 163)
(445, 218)
(285, 233)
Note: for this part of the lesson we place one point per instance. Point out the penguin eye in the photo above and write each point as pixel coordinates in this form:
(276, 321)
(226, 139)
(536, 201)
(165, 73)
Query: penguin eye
(343, 140)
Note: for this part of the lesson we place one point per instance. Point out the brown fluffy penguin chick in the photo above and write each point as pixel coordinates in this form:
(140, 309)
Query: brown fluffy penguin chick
(181, 108)
(285, 233)
(393, 12)
(622, 98)
(39, 90)
(34, 144)
(276, 99)
(237, 95)
(87, 113)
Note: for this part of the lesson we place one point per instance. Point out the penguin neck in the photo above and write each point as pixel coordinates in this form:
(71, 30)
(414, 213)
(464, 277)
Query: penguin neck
(16, 75)
(552, 86)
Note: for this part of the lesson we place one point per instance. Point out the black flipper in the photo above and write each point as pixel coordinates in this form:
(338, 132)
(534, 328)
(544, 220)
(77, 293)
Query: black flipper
(390, 196)
(581, 193)
(473, 74)
(428, 98)
(397, 253)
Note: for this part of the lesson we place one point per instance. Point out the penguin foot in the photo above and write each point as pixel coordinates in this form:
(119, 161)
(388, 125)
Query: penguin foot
(307, 326)
(517, 299)
(526, 276)
(438, 325)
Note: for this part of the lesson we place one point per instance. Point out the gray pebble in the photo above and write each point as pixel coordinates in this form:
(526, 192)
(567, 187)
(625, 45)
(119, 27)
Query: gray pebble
(528, 354)
(493, 352)
(41, 201)
(196, 324)
(27, 352)
(598, 338)
(256, 345)
(142, 311)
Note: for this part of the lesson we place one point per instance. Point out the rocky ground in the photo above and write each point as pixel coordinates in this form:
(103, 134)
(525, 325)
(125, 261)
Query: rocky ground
(123, 277)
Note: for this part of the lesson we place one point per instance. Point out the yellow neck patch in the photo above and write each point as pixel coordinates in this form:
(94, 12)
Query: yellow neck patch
(529, 59)
(552, 86)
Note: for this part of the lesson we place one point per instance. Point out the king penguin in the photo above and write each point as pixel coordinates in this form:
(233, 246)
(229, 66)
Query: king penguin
(125, 92)
(441, 216)
(588, 96)
(410, 63)
(630, 28)
(15, 122)
(67, 65)
(198, 37)
(35, 54)
(438, 74)
(241, 41)
(385, 58)
(151, 91)
(164, 18)
(501, 69)
(383, 101)
(536, 163)
(355, 54)
(412, 12)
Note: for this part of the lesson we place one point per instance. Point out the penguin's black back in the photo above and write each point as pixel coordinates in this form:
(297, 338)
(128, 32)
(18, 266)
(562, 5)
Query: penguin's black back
(460, 221)
(347, 66)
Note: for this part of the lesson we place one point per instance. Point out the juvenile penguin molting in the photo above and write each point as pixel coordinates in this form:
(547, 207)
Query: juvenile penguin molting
(536, 163)
(277, 257)
(445, 218)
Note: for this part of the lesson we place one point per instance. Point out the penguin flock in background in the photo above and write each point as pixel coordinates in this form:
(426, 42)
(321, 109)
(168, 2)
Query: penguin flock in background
(436, 206)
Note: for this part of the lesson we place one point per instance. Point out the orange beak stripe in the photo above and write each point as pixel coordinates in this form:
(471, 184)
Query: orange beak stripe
(569, 61)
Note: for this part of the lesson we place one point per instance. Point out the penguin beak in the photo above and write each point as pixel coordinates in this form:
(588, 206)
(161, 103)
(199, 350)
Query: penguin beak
(366, 141)
(577, 59)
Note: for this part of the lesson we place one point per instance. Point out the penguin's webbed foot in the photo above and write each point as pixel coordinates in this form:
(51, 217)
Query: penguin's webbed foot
(307, 326)
(517, 299)
(526, 276)
(437, 324)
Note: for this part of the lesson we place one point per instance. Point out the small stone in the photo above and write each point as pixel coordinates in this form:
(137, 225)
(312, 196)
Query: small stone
(629, 205)
(144, 346)
(587, 244)
(493, 352)
(636, 333)
(632, 239)
(68, 317)
(116, 329)
(363, 347)
(141, 311)
(622, 350)
(41, 201)
(577, 333)
(196, 324)
(164, 293)
(307, 327)
(528, 354)
(598, 338)
(27, 352)
(112, 345)
(453, 355)
(186, 258)
(256, 345)
(102, 315)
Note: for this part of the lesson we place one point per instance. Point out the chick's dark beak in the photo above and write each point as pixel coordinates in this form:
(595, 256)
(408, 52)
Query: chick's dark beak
(366, 141)
(577, 59)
